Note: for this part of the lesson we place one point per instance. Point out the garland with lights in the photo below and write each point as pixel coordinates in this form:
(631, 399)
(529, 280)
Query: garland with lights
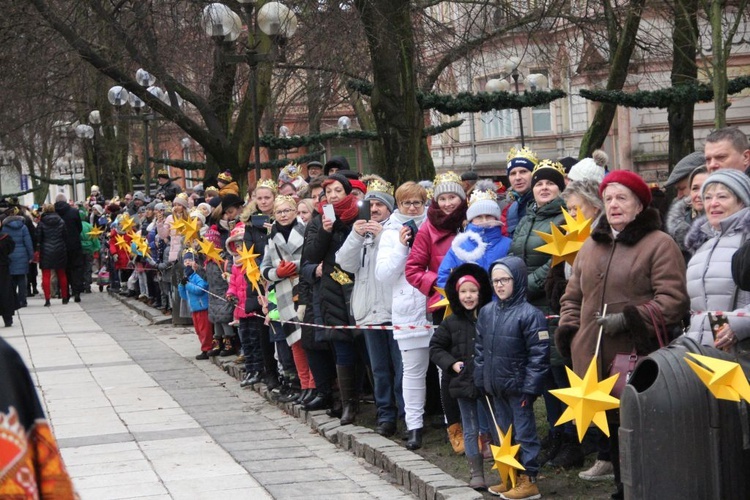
(466, 102)
(663, 98)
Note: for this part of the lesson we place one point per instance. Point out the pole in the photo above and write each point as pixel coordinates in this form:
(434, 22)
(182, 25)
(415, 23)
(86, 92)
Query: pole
(472, 130)
(254, 104)
(520, 110)
(146, 169)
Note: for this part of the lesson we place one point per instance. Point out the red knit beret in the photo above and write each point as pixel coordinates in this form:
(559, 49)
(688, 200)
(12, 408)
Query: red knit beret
(630, 180)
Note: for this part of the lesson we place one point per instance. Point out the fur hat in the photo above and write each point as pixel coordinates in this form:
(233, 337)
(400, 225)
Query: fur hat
(630, 180)
(736, 181)
(338, 162)
(483, 201)
(586, 169)
(449, 182)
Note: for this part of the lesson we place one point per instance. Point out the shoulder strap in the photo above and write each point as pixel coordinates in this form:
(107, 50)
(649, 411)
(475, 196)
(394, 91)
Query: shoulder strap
(657, 319)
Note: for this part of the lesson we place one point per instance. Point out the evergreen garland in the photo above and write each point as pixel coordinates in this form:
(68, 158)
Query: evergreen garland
(182, 164)
(466, 102)
(273, 142)
(279, 163)
(57, 182)
(663, 98)
(439, 129)
(21, 193)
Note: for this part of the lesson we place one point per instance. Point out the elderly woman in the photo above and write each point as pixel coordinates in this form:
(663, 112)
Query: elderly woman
(628, 265)
(408, 306)
(714, 239)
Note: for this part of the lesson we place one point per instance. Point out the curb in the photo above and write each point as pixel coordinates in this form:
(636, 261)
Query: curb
(408, 469)
(153, 315)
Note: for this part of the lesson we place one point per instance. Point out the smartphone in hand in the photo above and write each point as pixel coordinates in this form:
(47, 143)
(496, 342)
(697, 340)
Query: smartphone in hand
(329, 212)
(259, 221)
(717, 322)
(364, 210)
(413, 226)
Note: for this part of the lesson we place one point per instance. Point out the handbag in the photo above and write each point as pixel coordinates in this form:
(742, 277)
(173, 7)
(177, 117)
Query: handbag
(624, 363)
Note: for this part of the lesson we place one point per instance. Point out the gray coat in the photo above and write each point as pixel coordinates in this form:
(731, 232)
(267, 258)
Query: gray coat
(709, 275)
(219, 311)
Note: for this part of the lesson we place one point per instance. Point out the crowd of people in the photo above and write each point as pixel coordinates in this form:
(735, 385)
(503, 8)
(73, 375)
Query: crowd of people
(429, 294)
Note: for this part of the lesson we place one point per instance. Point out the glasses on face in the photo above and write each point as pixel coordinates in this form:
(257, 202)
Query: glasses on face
(284, 213)
(501, 281)
(412, 204)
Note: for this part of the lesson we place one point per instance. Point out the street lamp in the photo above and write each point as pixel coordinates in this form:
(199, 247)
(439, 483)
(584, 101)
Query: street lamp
(71, 167)
(344, 123)
(503, 85)
(274, 19)
(6, 160)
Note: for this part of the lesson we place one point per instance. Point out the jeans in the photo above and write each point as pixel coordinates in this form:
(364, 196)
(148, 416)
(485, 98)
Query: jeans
(20, 285)
(387, 373)
(508, 410)
(251, 330)
(474, 421)
(88, 262)
(557, 379)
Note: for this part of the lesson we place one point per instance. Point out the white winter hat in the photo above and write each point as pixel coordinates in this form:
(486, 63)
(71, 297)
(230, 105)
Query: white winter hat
(586, 169)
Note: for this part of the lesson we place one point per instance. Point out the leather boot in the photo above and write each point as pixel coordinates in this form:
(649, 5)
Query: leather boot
(311, 395)
(301, 397)
(415, 439)
(476, 467)
(349, 401)
(485, 440)
(320, 402)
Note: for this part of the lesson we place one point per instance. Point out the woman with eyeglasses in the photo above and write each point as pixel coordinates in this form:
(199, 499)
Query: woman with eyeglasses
(281, 269)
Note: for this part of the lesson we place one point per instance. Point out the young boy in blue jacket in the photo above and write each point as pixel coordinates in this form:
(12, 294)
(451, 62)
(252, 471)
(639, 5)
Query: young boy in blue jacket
(194, 289)
(510, 363)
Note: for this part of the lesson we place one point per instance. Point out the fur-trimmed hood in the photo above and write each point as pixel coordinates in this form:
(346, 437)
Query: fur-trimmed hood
(485, 288)
(644, 223)
(700, 231)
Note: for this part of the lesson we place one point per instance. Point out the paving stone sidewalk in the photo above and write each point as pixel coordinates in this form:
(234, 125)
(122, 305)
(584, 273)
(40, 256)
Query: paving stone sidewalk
(137, 417)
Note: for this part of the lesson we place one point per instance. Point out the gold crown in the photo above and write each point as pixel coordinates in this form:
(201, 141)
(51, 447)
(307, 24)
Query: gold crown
(430, 193)
(551, 164)
(446, 177)
(340, 277)
(524, 152)
(285, 198)
(291, 170)
(225, 176)
(482, 195)
(380, 186)
(162, 172)
(268, 184)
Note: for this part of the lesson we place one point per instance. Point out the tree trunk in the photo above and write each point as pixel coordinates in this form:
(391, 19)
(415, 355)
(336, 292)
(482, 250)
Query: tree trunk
(684, 70)
(600, 125)
(398, 118)
(719, 63)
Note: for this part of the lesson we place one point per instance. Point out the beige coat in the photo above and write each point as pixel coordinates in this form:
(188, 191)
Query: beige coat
(643, 264)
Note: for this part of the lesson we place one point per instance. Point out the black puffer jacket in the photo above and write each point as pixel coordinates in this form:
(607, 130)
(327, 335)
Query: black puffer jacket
(257, 238)
(51, 236)
(219, 311)
(73, 226)
(335, 298)
(454, 339)
(512, 347)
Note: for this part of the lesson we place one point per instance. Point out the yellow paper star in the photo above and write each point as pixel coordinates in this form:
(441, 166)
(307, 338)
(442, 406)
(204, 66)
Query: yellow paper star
(121, 243)
(95, 232)
(249, 265)
(579, 225)
(208, 249)
(442, 303)
(190, 230)
(126, 222)
(136, 237)
(562, 247)
(177, 224)
(587, 400)
(505, 458)
(725, 379)
(142, 247)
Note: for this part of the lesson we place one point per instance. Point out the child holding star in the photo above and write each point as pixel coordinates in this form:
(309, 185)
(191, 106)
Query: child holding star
(220, 310)
(194, 290)
(468, 289)
(511, 364)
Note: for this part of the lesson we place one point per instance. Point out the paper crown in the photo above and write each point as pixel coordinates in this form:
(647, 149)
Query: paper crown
(482, 195)
(447, 177)
(380, 186)
(268, 184)
(291, 171)
(551, 164)
(285, 198)
(188, 251)
(162, 173)
(524, 152)
(225, 176)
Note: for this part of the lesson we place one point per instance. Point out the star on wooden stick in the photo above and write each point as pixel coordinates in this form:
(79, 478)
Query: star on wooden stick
(560, 246)
(725, 379)
(126, 222)
(505, 458)
(142, 247)
(249, 265)
(177, 224)
(95, 232)
(442, 302)
(190, 230)
(578, 224)
(208, 249)
(121, 243)
(588, 399)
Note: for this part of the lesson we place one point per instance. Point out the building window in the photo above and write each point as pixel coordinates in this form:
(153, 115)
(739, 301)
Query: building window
(541, 117)
(497, 123)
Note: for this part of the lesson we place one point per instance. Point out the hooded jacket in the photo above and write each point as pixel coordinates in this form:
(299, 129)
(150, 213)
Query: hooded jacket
(89, 245)
(15, 227)
(709, 275)
(480, 245)
(51, 237)
(238, 282)
(512, 343)
(73, 226)
(526, 241)
(194, 292)
(454, 339)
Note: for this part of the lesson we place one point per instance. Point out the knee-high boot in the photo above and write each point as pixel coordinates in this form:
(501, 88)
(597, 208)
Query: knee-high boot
(346, 375)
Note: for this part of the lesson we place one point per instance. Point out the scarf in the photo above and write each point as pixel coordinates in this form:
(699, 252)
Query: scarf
(450, 222)
(346, 210)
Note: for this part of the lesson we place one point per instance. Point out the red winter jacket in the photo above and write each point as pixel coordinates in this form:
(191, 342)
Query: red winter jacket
(123, 256)
(238, 288)
(427, 252)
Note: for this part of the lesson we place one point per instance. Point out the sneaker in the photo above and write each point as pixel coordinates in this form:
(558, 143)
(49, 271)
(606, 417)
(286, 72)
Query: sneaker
(525, 489)
(602, 470)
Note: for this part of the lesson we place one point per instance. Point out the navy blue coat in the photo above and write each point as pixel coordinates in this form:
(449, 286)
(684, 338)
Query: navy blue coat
(512, 343)
(15, 227)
